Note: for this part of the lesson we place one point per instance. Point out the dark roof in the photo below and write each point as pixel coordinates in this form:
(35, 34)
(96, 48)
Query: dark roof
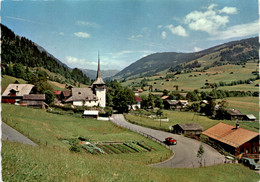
(228, 134)
(172, 102)
(82, 94)
(66, 93)
(138, 99)
(190, 126)
(234, 112)
(34, 97)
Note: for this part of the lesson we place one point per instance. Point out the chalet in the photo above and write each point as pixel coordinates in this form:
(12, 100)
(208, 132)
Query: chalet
(138, 103)
(57, 93)
(92, 96)
(34, 101)
(172, 104)
(91, 114)
(14, 93)
(65, 95)
(233, 139)
(235, 114)
(184, 103)
(188, 129)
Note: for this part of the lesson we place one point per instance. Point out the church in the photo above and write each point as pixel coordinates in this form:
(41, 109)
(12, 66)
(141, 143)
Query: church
(92, 96)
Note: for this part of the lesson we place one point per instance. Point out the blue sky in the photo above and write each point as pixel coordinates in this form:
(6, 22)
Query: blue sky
(123, 31)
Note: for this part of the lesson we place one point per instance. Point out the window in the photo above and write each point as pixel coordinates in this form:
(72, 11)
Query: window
(247, 150)
(255, 150)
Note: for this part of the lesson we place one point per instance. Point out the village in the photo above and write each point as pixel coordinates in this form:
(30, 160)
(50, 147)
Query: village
(234, 142)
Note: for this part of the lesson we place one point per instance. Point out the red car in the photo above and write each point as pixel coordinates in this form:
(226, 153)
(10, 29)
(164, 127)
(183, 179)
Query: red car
(170, 141)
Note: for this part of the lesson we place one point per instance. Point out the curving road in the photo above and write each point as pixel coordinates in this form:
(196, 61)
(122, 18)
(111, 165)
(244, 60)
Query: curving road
(185, 152)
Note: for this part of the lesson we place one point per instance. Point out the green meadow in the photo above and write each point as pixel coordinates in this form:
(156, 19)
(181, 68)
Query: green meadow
(178, 117)
(53, 161)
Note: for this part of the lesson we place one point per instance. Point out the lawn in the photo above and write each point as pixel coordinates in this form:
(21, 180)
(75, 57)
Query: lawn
(42, 127)
(177, 117)
(26, 163)
(55, 162)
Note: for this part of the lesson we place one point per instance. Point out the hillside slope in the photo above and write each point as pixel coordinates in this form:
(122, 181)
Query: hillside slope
(105, 73)
(231, 52)
(19, 54)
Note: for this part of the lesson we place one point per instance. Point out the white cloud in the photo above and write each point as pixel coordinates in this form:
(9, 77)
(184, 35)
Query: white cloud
(229, 10)
(159, 26)
(82, 34)
(74, 62)
(164, 35)
(61, 33)
(197, 49)
(179, 30)
(208, 21)
(89, 24)
(134, 37)
(237, 31)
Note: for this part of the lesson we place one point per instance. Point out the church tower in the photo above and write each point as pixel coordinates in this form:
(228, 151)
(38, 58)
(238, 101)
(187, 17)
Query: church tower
(99, 87)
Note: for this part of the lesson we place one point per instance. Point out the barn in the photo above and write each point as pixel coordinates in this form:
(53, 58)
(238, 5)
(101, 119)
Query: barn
(234, 139)
(188, 129)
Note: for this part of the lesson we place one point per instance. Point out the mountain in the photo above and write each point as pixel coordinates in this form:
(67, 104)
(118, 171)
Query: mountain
(235, 52)
(105, 73)
(20, 55)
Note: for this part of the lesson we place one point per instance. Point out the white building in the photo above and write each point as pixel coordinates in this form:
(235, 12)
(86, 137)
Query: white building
(92, 96)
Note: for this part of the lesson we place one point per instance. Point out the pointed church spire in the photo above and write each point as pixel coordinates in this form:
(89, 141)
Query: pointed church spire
(98, 71)
(99, 80)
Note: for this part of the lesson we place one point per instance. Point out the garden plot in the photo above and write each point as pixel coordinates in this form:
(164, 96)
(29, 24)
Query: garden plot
(82, 144)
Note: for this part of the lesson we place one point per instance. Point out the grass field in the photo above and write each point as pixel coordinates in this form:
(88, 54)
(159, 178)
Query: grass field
(55, 162)
(196, 80)
(26, 163)
(177, 117)
(42, 127)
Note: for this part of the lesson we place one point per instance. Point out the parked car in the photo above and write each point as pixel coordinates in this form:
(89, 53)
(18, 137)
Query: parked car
(250, 163)
(170, 141)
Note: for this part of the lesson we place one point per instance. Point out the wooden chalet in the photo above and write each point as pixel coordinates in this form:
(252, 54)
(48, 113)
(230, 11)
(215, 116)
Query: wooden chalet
(188, 129)
(172, 104)
(14, 93)
(34, 101)
(233, 139)
(235, 114)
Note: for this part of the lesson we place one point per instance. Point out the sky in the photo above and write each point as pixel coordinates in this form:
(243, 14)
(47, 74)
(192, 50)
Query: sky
(123, 31)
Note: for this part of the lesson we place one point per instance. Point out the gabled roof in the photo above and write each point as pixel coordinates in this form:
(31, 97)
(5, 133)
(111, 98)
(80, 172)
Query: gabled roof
(228, 134)
(138, 99)
(234, 112)
(57, 92)
(21, 89)
(190, 126)
(66, 93)
(250, 116)
(34, 97)
(164, 97)
(172, 102)
(82, 94)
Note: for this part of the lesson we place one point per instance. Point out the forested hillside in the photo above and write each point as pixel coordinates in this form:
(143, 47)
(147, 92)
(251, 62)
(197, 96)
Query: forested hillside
(20, 54)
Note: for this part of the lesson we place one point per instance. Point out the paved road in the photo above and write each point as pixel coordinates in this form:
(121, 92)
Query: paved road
(10, 134)
(185, 152)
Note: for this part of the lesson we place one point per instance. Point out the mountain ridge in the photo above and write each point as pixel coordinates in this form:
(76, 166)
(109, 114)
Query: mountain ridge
(157, 62)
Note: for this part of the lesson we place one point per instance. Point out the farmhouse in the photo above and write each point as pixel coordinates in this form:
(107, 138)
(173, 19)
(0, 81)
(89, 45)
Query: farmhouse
(92, 96)
(14, 93)
(234, 114)
(137, 104)
(172, 104)
(233, 139)
(34, 100)
(249, 117)
(188, 128)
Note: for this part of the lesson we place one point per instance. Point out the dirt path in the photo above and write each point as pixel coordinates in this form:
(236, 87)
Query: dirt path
(185, 152)
(10, 134)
